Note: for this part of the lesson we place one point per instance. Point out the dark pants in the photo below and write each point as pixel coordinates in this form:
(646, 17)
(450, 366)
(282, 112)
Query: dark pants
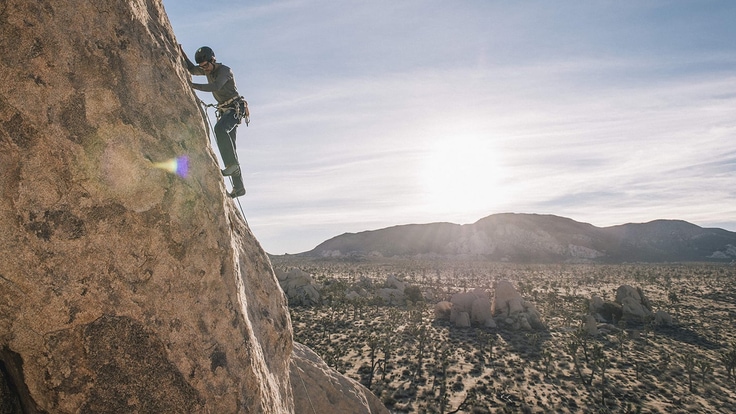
(225, 130)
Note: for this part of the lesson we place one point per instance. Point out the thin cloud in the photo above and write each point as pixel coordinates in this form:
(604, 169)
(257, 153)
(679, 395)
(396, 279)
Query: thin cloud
(604, 113)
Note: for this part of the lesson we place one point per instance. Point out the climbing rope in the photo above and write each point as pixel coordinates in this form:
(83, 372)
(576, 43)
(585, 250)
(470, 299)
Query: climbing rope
(210, 133)
(305, 388)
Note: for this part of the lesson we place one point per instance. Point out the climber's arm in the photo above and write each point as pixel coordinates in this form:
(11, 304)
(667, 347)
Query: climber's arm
(191, 67)
(218, 83)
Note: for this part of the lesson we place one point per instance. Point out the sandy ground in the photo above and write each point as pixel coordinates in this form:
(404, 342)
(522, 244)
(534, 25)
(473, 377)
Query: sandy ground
(424, 365)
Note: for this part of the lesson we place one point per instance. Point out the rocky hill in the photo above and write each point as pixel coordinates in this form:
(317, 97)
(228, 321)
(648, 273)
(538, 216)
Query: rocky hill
(532, 238)
(129, 282)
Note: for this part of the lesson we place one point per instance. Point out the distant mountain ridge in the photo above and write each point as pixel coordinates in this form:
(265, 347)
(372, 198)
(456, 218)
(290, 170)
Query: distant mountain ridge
(534, 238)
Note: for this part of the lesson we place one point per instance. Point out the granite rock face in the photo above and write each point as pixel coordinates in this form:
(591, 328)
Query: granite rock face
(299, 287)
(126, 284)
(320, 389)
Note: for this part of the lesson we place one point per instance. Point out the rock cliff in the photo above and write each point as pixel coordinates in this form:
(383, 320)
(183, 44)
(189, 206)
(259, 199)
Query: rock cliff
(129, 282)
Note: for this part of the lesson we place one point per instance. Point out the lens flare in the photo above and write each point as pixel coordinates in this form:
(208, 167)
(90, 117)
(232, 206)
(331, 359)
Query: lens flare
(178, 166)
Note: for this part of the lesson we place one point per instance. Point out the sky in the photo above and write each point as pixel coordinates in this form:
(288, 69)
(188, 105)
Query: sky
(367, 114)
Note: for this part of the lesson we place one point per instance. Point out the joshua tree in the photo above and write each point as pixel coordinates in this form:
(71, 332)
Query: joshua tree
(546, 361)
(583, 306)
(416, 312)
(444, 361)
(358, 307)
(639, 366)
(572, 347)
(664, 360)
(388, 345)
(621, 336)
(728, 359)
(553, 300)
(581, 335)
(533, 339)
(594, 365)
(674, 300)
(374, 342)
(705, 368)
(688, 362)
(491, 344)
(471, 400)
(333, 357)
(484, 342)
(421, 336)
(602, 363)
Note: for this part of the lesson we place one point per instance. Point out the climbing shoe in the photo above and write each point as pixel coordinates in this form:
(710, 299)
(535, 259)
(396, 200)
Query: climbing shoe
(237, 192)
(231, 170)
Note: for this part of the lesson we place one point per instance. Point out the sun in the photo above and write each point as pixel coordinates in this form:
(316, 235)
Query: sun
(463, 176)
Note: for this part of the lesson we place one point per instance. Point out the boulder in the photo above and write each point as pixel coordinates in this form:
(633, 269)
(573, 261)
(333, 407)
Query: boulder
(634, 304)
(480, 311)
(357, 294)
(524, 323)
(610, 312)
(318, 388)
(662, 318)
(590, 325)
(393, 291)
(507, 300)
(511, 308)
(299, 287)
(533, 315)
(391, 296)
(625, 291)
(394, 283)
(443, 310)
(413, 294)
(464, 300)
(461, 320)
(632, 308)
(475, 304)
(595, 305)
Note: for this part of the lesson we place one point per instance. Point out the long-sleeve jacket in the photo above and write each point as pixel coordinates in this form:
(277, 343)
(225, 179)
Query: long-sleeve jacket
(220, 81)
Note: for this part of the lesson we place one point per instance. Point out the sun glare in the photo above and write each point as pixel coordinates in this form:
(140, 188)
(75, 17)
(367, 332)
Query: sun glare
(178, 166)
(463, 176)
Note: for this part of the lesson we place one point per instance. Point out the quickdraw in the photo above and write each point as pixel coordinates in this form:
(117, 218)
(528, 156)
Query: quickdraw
(237, 104)
(241, 108)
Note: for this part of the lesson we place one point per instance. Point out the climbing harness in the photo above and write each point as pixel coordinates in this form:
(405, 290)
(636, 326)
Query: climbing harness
(210, 133)
(237, 104)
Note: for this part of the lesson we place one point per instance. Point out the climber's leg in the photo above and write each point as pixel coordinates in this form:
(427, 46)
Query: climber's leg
(225, 130)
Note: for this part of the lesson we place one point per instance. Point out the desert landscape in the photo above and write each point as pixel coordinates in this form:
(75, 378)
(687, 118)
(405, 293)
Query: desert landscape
(132, 282)
(381, 322)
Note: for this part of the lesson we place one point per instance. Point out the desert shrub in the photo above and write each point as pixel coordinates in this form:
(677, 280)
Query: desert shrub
(413, 294)
(388, 400)
(413, 361)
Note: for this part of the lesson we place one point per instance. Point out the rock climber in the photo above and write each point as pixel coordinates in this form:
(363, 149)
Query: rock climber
(231, 109)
